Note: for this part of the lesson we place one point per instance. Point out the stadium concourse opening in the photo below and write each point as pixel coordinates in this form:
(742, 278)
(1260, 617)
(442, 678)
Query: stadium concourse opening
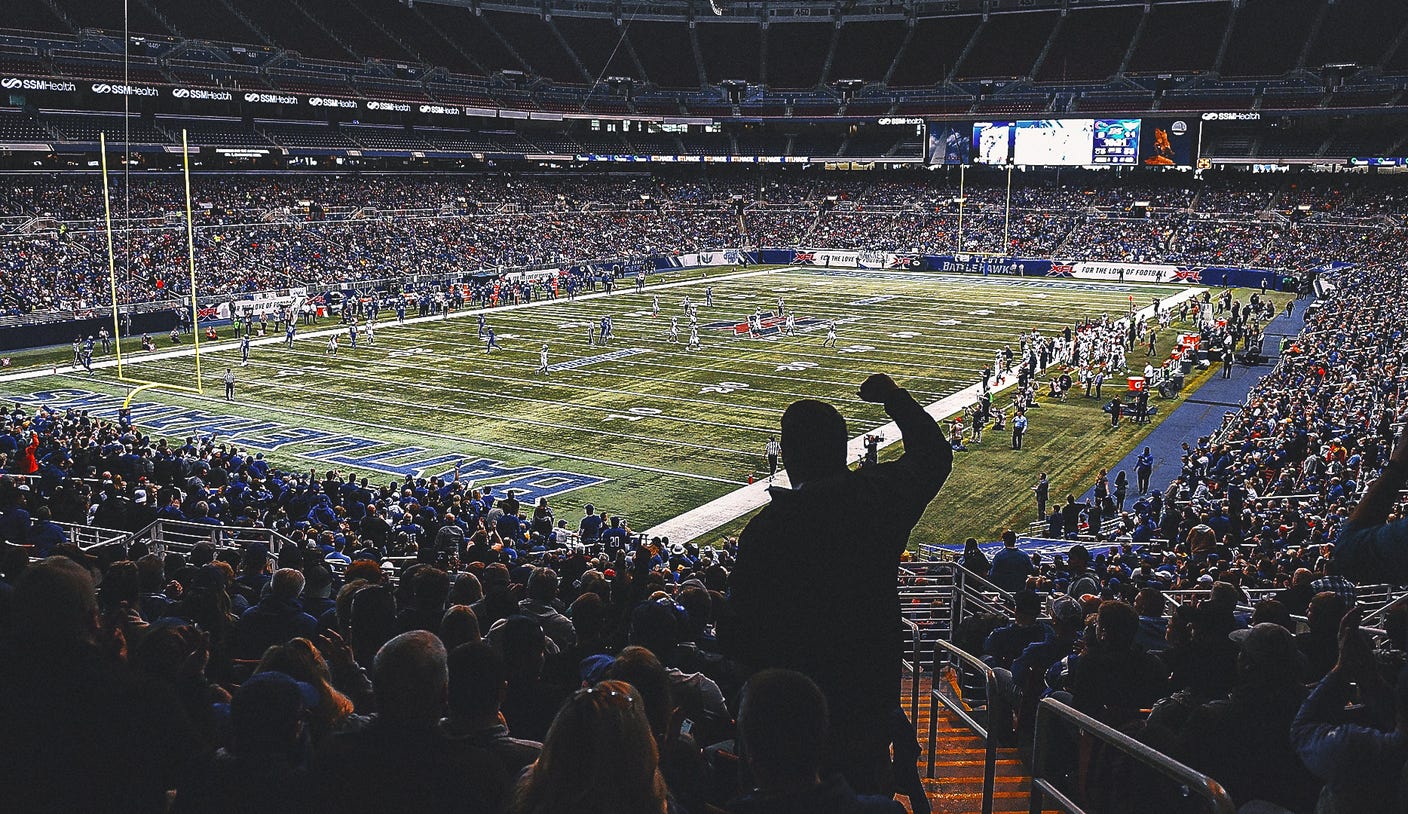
(601, 407)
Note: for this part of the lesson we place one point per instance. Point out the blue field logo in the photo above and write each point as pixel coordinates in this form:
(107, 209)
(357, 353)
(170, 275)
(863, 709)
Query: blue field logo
(365, 455)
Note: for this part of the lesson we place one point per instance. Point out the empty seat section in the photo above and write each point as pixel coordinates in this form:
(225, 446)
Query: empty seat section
(210, 20)
(1091, 44)
(535, 41)
(1008, 45)
(665, 51)
(730, 50)
(1268, 36)
(292, 28)
(355, 29)
(931, 53)
(107, 15)
(1357, 31)
(796, 53)
(1181, 37)
(865, 50)
(459, 24)
(424, 39)
(595, 41)
(32, 16)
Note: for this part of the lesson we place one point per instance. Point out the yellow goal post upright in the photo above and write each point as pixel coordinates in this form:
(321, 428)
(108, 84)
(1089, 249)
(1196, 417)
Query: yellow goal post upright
(145, 384)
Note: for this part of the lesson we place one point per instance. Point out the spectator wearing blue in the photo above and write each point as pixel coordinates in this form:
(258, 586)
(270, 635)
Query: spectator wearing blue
(1362, 765)
(45, 533)
(265, 766)
(589, 529)
(1010, 566)
(277, 618)
(782, 732)
(1006, 643)
(1369, 547)
(616, 537)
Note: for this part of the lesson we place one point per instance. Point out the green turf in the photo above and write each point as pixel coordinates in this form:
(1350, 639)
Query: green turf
(669, 429)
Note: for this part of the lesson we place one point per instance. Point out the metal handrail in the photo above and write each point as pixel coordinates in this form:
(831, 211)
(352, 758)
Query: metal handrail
(1050, 711)
(914, 666)
(955, 706)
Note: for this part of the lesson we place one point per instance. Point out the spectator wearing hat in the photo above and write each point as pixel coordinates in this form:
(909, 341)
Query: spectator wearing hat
(1244, 740)
(265, 766)
(1006, 643)
(851, 648)
(1020, 688)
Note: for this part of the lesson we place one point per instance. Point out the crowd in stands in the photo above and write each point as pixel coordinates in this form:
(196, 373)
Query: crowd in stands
(1269, 519)
(421, 637)
(259, 232)
(411, 643)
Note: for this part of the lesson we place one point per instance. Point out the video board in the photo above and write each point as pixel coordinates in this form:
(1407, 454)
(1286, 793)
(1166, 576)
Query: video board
(1119, 142)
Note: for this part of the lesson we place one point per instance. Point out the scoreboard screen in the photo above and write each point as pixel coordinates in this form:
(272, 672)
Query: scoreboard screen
(1113, 142)
(1116, 141)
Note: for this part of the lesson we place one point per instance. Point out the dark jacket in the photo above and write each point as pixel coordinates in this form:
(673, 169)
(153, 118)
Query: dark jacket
(271, 622)
(814, 586)
(385, 767)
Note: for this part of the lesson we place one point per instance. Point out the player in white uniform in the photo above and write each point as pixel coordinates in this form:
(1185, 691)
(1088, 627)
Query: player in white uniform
(693, 337)
(791, 324)
(543, 359)
(685, 304)
(674, 332)
(830, 335)
(371, 333)
(332, 345)
(655, 306)
(780, 310)
(709, 297)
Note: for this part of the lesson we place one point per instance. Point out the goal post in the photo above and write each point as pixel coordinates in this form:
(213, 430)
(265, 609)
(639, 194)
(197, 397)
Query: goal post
(192, 300)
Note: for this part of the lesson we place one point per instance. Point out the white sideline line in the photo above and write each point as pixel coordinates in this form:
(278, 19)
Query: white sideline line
(701, 520)
(341, 328)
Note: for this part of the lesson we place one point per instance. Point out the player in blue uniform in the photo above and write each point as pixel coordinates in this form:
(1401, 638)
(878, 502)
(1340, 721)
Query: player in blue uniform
(492, 343)
(289, 330)
(244, 350)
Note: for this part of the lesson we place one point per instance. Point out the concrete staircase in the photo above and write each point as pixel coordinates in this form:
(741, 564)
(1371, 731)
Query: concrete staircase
(957, 787)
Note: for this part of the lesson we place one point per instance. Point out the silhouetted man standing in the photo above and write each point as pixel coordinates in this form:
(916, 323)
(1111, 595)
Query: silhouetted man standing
(837, 536)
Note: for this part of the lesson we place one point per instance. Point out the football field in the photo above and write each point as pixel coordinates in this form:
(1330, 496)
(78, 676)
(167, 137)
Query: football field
(641, 426)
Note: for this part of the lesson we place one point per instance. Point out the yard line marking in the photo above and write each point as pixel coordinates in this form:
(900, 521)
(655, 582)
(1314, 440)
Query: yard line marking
(405, 431)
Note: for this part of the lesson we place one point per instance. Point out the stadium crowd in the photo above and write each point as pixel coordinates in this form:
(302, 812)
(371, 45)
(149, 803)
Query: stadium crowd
(256, 233)
(422, 642)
